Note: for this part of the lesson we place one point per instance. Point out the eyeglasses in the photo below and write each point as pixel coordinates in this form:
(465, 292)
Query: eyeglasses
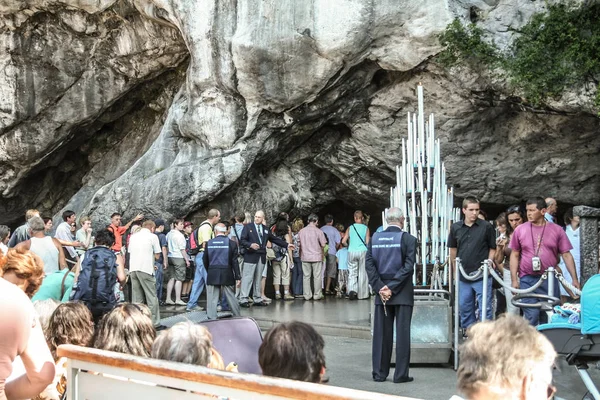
(513, 209)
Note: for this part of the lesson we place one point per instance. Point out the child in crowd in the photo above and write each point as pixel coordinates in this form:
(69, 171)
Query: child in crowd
(342, 260)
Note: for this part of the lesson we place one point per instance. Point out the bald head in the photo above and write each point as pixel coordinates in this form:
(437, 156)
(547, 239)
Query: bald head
(551, 206)
(259, 217)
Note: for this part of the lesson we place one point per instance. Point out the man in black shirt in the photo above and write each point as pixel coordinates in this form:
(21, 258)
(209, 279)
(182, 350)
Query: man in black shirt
(473, 241)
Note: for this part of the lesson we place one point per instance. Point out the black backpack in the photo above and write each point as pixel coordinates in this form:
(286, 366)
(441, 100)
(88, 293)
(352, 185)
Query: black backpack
(97, 278)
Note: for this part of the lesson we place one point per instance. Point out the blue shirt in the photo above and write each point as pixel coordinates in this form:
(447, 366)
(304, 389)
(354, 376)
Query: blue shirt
(549, 217)
(342, 256)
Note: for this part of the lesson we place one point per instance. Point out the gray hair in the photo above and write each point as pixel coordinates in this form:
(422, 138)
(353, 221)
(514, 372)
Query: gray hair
(313, 218)
(394, 214)
(36, 224)
(221, 228)
(4, 231)
(184, 342)
(44, 310)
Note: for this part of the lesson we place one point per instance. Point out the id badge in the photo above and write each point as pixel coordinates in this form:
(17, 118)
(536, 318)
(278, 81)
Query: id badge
(536, 264)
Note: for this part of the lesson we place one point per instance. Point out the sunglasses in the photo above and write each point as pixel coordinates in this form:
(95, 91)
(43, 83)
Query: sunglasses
(513, 209)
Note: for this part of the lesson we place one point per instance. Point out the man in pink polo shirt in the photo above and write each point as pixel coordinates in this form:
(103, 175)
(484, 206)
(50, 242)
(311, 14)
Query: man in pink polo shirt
(312, 242)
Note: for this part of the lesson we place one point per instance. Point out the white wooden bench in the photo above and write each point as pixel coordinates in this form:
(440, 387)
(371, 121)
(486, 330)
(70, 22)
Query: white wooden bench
(103, 375)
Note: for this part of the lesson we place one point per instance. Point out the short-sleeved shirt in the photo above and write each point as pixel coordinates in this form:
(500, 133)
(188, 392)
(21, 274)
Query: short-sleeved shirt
(143, 245)
(473, 243)
(312, 242)
(205, 233)
(333, 236)
(52, 286)
(63, 232)
(342, 256)
(162, 240)
(553, 241)
(118, 231)
(175, 243)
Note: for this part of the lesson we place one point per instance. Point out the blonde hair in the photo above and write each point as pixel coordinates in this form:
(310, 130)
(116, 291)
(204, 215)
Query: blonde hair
(83, 219)
(71, 323)
(501, 354)
(26, 265)
(126, 321)
(297, 225)
(184, 342)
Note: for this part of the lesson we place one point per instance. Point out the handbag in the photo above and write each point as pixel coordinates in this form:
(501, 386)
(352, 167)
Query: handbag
(270, 254)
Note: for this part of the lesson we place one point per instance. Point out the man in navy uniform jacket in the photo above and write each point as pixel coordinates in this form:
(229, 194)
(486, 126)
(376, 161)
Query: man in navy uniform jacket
(390, 263)
(223, 271)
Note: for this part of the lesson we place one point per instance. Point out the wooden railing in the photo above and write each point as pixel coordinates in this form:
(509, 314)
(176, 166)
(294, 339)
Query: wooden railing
(97, 374)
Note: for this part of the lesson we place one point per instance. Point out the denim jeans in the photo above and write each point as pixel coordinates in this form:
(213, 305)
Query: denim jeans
(199, 282)
(533, 314)
(159, 280)
(468, 293)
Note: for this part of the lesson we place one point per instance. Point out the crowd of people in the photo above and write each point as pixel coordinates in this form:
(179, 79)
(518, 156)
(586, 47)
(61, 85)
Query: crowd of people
(94, 287)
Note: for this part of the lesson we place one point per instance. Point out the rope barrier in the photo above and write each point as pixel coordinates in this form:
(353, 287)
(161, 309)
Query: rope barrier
(567, 284)
(478, 274)
(518, 291)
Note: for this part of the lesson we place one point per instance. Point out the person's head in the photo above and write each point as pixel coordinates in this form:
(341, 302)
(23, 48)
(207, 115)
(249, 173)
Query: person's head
(115, 219)
(188, 227)
(31, 213)
(259, 217)
(36, 226)
(44, 310)
(48, 224)
(4, 234)
(149, 224)
(514, 217)
(85, 222)
(551, 206)
(536, 208)
(71, 323)
(105, 237)
(130, 321)
(213, 216)
(359, 217)
(240, 217)
(313, 219)
(340, 227)
(293, 350)
(297, 225)
(517, 366)
(328, 219)
(281, 227)
(69, 216)
(22, 268)
(178, 224)
(184, 342)
(159, 225)
(470, 207)
(501, 223)
(283, 215)
(248, 217)
(571, 219)
(220, 229)
(394, 216)
(482, 215)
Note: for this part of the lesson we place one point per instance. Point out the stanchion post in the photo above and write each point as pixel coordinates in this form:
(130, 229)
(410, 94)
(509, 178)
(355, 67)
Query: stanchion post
(551, 276)
(484, 291)
(456, 311)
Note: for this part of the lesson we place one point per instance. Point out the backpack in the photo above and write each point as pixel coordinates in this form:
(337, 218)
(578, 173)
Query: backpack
(280, 252)
(194, 246)
(97, 279)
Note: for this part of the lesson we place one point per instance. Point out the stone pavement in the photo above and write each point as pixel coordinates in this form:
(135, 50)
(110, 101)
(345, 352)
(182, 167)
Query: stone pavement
(345, 326)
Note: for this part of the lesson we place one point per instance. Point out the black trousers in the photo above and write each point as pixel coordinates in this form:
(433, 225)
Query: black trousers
(383, 340)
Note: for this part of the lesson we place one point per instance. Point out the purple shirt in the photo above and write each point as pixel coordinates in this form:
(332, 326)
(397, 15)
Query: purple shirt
(553, 241)
(333, 236)
(312, 242)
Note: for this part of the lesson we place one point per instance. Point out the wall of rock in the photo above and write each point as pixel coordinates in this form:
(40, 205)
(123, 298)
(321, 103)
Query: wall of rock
(170, 107)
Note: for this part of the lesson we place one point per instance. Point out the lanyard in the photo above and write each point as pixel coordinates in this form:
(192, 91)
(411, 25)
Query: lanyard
(540, 239)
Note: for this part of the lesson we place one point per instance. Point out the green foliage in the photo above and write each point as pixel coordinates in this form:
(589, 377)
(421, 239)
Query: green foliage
(554, 51)
(465, 45)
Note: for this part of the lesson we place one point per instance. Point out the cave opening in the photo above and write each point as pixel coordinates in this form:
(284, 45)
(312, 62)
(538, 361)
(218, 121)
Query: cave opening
(343, 213)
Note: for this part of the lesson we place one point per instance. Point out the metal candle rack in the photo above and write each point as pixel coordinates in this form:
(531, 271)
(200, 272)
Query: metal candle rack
(422, 194)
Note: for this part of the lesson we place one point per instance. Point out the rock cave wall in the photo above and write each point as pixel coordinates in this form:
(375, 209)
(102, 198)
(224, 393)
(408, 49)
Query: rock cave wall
(171, 107)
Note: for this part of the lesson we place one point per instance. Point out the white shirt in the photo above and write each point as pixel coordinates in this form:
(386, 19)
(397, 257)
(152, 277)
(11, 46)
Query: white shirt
(3, 248)
(176, 243)
(63, 232)
(143, 245)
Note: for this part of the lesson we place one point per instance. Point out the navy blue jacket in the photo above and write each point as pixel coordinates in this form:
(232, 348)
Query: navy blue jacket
(400, 283)
(221, 265)
(249, 236)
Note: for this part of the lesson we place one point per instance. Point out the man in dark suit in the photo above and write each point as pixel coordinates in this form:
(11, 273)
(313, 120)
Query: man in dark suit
(254, 239)
(223, 271)
(390, 263)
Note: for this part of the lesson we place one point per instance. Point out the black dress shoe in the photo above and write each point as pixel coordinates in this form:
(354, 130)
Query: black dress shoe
(353, 295)
(404, 380)
(261, 304)
(378, 379)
